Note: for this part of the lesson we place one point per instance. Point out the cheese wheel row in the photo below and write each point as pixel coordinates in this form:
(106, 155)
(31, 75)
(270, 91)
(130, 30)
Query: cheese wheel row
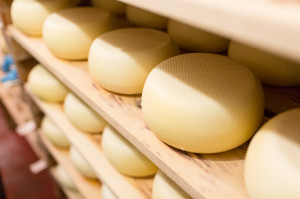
(64, 178)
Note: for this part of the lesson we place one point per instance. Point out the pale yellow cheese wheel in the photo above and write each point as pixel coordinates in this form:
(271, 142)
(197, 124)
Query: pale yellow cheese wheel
(106, 193)
(64, 178)
(164, 187)
(29, 15)
(121, 60)
(82, 116)
(272, 163)
(45, 85)
(53, 133)
(124, 156)
(113, 6)
(202, 103)
(69, 33)
(269, 68)
(196, 40)
(81, 164)
(144, 18)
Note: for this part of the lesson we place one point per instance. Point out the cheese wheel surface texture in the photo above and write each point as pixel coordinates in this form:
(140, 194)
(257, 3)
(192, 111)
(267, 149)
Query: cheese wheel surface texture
(82, 116)
(164, 187)
(144, 18)
(113, 6)
(124, 156)
(272, 163)
(69, 33)
(45, 85)
(270, 69)
(64, 178)
(53, 133)
(81, 164)
(29, 15)
(121, 60)
(196, 40)
(202, 103)
(106, 193)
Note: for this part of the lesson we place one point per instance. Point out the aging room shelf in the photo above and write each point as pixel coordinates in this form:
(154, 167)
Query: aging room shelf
(89, 146)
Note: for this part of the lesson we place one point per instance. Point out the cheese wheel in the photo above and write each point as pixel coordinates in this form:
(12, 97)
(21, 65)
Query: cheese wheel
(164, 187)
(144, 18)
(202, 103)
(45, 85)
(193, 39)
(64, 178)
(272, 163)
(106, 193)
(69, 33)
(29, 15)
(53, 133)
(124, 156)
(82, 116)
(269, 68)
(113, 6)
(121, 60)
(81, 164)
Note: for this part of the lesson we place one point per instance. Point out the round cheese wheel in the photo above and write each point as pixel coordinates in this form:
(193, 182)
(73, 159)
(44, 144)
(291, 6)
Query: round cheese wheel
(272, 163)
(164, 187)
(64, 178)
(270, 69)
(192, 39)
(124, 156)
(81, 164)
(29, 15)
(45, 85)
(113, 6)
(202, 103)
(144, 18)
(82, 116)
(106, 193)
(53, 133)
(121, 60)
(69, 33)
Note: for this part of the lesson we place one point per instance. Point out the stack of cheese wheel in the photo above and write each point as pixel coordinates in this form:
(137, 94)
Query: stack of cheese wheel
(69, 33)
(106, 193)
(144, 18)
(53, 133)
(272, 163)
(64, 178)
(124, 156)
(81, 164)
(270, 69)
(196, 40)
(164, 187)
(45, 85)
(82, 116)
(29, 15)
(113, 6)
(202, 103)
(121, 60)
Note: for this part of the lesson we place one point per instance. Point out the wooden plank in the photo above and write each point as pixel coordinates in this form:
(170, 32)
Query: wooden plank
(89, 146)
(90, 189)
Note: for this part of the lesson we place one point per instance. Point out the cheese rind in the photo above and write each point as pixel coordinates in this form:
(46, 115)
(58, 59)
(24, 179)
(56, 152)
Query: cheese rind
(123, 156)
(272, 163)
(106, 193)
(202, 103)
(113, 6)
(64, 178)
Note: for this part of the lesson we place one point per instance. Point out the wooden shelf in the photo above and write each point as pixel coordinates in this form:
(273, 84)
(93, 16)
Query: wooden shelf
(90, 189)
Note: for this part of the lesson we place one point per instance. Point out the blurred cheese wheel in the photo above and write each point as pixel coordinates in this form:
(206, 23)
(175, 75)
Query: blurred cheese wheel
(113, 6)
(82, 116)
(193, 39)
(144, 18)
(270, 69)
(272, 163)
(202, 103)
(81, 164)
(164, 187)
(106, 193)
(69, 33)
(45, 85)
(64, 178)
(124, 156)
(53, 133)
(29, 15)
(121, 60)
